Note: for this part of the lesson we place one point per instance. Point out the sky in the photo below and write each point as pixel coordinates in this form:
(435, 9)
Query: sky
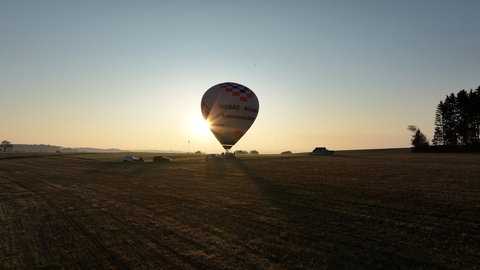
(131, 74)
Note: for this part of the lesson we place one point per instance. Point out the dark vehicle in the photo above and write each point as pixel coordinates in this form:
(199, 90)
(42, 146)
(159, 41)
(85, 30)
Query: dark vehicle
(161, 159)
(321, 151)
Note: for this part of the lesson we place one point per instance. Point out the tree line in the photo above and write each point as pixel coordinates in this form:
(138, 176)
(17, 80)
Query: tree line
(457, 124)
(457, 119)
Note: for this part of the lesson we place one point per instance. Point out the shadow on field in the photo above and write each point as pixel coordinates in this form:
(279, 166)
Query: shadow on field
(300, 224)
(276, 194)
(316, 228)
(302, 212)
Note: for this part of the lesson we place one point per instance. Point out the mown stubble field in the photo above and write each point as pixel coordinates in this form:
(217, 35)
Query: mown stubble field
(365, 209)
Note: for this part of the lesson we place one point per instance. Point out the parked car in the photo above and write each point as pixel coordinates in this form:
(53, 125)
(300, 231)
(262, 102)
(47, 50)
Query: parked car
(321, 151)
(161, 159)
(132, 159)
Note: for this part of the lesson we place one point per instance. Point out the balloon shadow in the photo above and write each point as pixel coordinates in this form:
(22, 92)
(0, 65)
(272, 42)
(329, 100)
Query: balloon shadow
(278, 195)
(298, 222)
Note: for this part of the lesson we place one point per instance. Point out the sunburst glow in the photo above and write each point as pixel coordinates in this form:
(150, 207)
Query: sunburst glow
(200, 127)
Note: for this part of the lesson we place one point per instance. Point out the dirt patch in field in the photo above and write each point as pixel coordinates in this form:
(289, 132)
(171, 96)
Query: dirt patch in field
(351, 210)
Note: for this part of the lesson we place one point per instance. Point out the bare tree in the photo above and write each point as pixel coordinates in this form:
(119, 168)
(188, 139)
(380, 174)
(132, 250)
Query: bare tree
(419, 140)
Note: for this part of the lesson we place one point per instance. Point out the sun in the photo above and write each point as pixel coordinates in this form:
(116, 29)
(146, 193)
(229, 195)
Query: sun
(199, 127)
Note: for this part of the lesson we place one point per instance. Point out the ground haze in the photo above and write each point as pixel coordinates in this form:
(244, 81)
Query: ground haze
(359, 209)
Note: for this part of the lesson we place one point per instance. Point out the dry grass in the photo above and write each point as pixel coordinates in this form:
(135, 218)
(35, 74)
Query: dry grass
(370, 209)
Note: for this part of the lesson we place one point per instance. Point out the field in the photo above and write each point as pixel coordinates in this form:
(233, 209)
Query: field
(358, 209)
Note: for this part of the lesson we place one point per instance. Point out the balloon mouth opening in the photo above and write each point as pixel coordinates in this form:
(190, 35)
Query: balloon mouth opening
(227, 147)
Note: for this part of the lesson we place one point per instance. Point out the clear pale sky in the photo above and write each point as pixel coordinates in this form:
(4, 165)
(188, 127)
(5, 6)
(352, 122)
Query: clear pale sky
(130, 74)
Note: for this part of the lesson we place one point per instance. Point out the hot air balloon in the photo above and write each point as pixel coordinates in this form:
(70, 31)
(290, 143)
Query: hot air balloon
(231, 109)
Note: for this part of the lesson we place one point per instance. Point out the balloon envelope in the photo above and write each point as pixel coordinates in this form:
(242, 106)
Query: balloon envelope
(231, 109)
